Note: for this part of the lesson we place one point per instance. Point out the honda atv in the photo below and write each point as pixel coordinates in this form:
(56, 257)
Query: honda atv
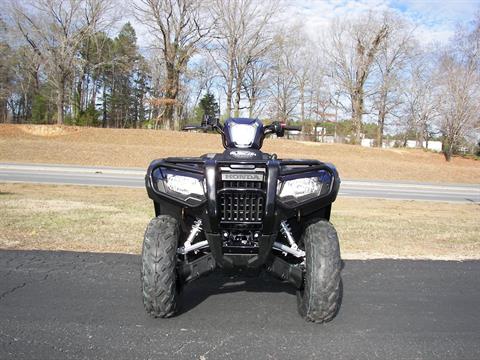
(242, 209)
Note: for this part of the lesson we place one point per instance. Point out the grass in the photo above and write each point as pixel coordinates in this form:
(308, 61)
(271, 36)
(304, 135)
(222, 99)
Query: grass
(136, 148)
(113, 220)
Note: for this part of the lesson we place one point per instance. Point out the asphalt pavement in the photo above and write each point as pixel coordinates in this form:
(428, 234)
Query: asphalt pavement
(134, 178)
(64, 305)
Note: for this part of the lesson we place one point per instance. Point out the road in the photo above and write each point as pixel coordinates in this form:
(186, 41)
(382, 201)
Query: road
(63, 305)
(134, 178)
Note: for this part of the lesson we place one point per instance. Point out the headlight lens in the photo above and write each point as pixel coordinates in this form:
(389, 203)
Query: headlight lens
(190, 189)
(300, 188)
(291, 192)
(184, 185)
(243, 135)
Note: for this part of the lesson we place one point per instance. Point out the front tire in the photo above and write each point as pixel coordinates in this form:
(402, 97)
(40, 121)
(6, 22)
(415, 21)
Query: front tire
(319, 299)
(158, 273)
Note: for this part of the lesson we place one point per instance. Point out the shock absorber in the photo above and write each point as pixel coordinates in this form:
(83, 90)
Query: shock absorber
(287, 232)
(187, 246)
(293, 248)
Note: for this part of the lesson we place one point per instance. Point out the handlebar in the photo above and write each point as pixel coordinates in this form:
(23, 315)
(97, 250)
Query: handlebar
(275, 127)
(292, 128)
(279, 129)
(193, 127)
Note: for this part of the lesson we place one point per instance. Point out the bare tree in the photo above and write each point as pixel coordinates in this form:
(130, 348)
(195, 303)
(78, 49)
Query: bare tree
(306, 66)
(202, 76)
(283, 88)
(56, 29)
(352, 50)
(255, 85)
(6, 78)
(179, 27)
(393, 56)
(418, 107)
(242, 37)
(458, 88)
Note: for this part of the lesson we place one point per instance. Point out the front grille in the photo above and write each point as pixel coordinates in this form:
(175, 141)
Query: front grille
(241, 201)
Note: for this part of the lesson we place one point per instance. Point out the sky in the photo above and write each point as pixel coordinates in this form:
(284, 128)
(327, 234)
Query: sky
(436, 20)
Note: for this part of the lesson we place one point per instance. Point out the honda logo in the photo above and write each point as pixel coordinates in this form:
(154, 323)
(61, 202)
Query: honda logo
(242, 177)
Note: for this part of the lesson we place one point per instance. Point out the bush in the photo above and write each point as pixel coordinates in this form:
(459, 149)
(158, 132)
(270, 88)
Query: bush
(39, 109)
(88, 117)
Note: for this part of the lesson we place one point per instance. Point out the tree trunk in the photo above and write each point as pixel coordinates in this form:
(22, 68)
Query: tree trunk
(238, 93)
(418, 139)
(302, 103)
(171, 92)
(448, 147)
(447, 150)
(104, 103)
(381, 124)
(253, 102)
(229, 94)
(60, 101)
(77, 101)
(93, 99)
(357, 112)
(3, 111)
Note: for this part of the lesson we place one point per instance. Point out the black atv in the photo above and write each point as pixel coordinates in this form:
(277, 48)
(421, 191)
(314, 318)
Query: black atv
(246, 210)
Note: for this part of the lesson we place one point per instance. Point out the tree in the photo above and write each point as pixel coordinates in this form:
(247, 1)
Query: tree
(56, 29)
(393, 57)
(255, 85)
(209, 106)
(96, 57)
(242, 37)
(283, 89)
(419, 107)
(458, 105)
(306, 66)
(6, 78)
(458, 90)
(178, 27)
(352, 51)
(125, 58)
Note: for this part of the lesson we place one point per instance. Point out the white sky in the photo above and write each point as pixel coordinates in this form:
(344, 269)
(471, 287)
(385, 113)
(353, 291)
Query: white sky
(436, 20)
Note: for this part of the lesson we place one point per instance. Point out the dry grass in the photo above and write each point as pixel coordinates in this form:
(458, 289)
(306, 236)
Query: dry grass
(407, 229)
(136, 148)
(113, 220)
(72, 218)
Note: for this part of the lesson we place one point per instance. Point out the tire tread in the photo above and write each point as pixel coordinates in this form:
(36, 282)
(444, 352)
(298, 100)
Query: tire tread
(158, 272)
(320, 297)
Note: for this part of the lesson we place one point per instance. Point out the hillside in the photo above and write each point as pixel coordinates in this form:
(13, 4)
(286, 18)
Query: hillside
(136, 148)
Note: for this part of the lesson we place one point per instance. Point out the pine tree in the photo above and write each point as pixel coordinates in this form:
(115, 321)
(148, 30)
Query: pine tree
(209, 105)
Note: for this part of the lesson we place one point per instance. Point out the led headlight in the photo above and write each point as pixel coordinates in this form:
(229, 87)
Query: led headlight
(184, 185)
(243, 135)
(180, 185)
(298, 190)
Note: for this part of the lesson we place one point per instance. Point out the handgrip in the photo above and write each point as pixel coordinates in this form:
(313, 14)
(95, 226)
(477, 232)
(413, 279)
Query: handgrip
(293, 128)
(193, 127)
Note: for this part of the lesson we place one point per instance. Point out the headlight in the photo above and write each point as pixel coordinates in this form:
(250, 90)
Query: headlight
(243, 135)
(300, 188)
(185, 187)
(294, 191)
